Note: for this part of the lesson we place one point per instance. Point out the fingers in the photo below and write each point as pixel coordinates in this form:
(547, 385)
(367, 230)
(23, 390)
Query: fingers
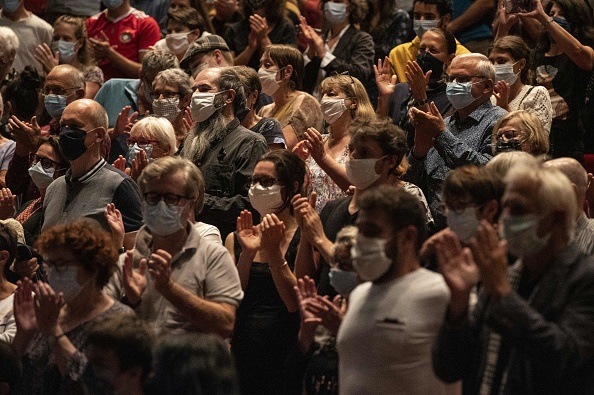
(312, 199)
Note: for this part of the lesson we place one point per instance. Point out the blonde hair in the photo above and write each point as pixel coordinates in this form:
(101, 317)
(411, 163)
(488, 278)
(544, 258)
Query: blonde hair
(159, 129)
(352, 88)
(534, 135)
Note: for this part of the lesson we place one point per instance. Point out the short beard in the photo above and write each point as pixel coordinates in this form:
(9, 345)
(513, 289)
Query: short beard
(198, 141)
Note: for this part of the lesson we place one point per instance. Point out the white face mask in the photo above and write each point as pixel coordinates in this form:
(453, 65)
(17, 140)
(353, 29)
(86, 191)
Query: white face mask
(163, 219)
(343, 281)
(177, 42)
(166, 108)
(332, 109)
(335, 13)
(268, 80)
(203, 106)
(506, 73)
(520, 233)
(65, 281)
(361, 172)
(464, 224)
(42, 178)
(369, 257)
(265, 200)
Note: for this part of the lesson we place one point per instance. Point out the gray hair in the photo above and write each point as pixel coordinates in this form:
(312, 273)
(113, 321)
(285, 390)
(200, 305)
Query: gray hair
(574, 171)
(175, 77)
(156, 61)
(228, 79)
(501, 164)
(9, 43)
(76, 77)
(482, 64)
(159, 129)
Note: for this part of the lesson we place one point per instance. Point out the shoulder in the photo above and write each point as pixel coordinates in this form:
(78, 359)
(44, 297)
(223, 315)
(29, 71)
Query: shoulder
(96, 17)
(138, 14)
(247, 136)
(40, 23)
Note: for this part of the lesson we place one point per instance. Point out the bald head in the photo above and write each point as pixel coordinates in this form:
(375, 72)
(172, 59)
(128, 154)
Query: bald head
(72, 77)
(89, 111)
(575, 172)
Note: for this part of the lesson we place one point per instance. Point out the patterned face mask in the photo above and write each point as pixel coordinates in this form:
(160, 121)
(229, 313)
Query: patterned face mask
(166, 108)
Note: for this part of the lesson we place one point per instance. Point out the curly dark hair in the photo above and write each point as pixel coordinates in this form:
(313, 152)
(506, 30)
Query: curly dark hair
(88, 242)
(23, 93)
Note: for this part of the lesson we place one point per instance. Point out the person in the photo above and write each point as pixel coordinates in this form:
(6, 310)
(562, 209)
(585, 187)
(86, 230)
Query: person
(29, 28)
(8, 252)
(577, 175)
(538, 313)
(120, 37)
(90, 182)
(563, 62)
(501, 164)
(205, 52)
(263, 24)
(70, 46)
(178, 281)
(79, 8)
(226, 13)
(281, 75)
(342, 47)
(428, 14)
(204, 11)
(9, 45)
(267, 320)
(119, 350)
(436, 50)
(184, 26)
(193, 364)
(471, 24)
(468, 131)
(223, 150)
(510, 56)
(376, 157)
(344, 99)
(53, 324)
(522, 131)
(270, 128)
(388, 24)
(7, 147)
(172, 92)
(399, 307)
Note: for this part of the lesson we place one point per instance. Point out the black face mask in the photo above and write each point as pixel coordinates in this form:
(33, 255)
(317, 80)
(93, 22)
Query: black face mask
(430, 62)
(508, 146)
(72, 142)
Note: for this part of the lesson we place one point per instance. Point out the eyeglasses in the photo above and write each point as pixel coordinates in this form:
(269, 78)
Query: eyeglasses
(265, 181)
(61, 265)
(166, 95)
(46, 163)
(171, 199)
(336, 74)
(462, 79)
(507, 135)
(141, 143)
(53, 90)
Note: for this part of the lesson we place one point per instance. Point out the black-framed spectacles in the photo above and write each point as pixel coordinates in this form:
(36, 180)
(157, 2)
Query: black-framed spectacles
(336, 74)
(462, 79)
(141, 143)
(46, 163)
(171, 199)
(265, 181)
(166, 95)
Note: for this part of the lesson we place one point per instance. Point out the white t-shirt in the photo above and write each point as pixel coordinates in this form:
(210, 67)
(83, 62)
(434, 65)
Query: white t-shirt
(384, 342)
(7, 322)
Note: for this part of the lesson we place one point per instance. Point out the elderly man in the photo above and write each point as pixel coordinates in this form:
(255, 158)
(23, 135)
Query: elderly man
(577, 175)
(531, 329)
(205, 52)
(385, 339)
(462, 139)
(90, 183)
(192, 285)
(225, 151)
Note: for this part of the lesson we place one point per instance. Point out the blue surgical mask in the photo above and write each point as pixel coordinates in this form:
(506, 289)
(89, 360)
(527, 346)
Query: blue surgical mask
(335, 13)
(343, 281)
(66, 50)
(112, 3)
(460, 94)
(132, 152)
(42, 178)
(162, 219)
(11, 5)
(421, 26)
(520, 233)
(55, 104)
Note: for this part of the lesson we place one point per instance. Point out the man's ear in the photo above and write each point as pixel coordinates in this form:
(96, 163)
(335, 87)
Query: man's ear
(80, 93)
(230, 96)
(445, 20)
(488, 85)
(218, 56)
(100, 134)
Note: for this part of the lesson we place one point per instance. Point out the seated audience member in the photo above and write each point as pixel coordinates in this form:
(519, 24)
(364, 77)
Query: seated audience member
(207, 51)
(172, 93)
(577, 175)
(436, 50)
(343, 100)
(264, 23)
(510, 56)
(537, 314)
(30, 29)
(223, 150)
(120, 37)
(464, 138)
(191, 284)
(342, 47)
(270, 128)
(9, 45)
(8, 252)
(400, 306)
(520, 130)
(124, 99)
(193, 364)
(427, 14)
(119, 350)
(70, 46)
(281, 74)
(184, 26)
(376, 157)
(54, 322)
(267, 319)
(90, 183)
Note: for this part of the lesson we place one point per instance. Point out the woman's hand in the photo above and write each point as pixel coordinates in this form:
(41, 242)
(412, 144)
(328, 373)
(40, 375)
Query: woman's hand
(124, 122)
(248, 235)
(537, 13)
(120, 163)
(26, 135)
(301, 150)
(159, 266)
(47, 305)
(44, 55)
(316, 144)
(501, 93)
(386, 83)
(505, 21)
(273, 233)
(417, 80)
(24, 307)
(116, 224)
(259, 27)
(138, 164)
(134, 281)
(307, 295)
(7, 200)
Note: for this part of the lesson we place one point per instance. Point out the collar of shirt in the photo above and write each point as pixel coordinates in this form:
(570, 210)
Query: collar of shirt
(89, 174)
(476, 115)
(132, 9)
(144, 243)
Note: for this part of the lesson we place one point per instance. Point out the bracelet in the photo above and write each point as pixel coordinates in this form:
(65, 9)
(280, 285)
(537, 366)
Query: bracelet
(279, 267)
(121, 250)
(420, 103)
(548, 21)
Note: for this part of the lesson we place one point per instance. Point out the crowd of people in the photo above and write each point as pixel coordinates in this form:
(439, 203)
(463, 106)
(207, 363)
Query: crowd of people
(237, 197)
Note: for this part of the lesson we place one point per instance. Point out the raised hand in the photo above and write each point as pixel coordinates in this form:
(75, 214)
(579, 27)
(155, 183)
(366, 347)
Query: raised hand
(44, 55)
(385, 81)
(26, 135)
(100, 46)
(26, 268)
(138, 164)
(159, 265)
(259, 27)
(120, 163)
(301, 150)
(7, 200)
(248, 235)
(490, 254)
(134, 281)
(504, 20)
(308, 219)
(47, 306)
(417, 80)
(24, 307)
(123, 122)
(116, 224)
(307, 296)
(316, 144)
(501, 93)
(273, 233)
(456, 264)
(331, 313)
